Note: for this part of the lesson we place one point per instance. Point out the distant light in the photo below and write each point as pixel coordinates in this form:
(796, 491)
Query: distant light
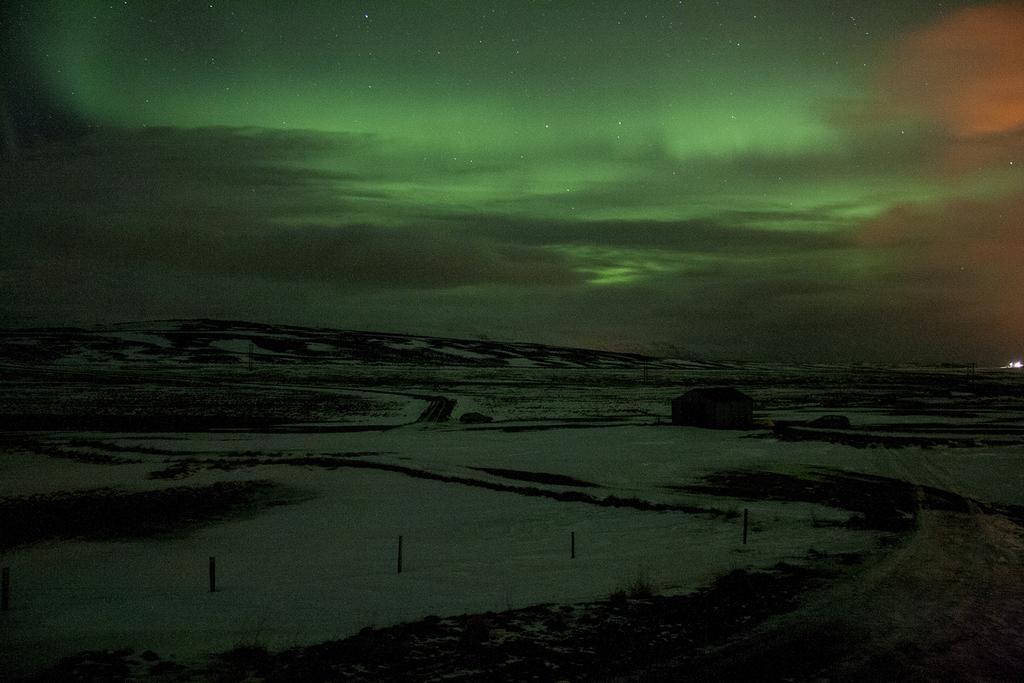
(1014, 364)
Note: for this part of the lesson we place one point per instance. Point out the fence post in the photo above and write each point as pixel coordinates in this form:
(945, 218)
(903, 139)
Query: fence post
(213, 574)
(746, 514)
(572, 545)
(399, 554)
(5, 590)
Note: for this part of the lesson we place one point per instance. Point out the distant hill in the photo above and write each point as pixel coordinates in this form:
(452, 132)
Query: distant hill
(231, 342)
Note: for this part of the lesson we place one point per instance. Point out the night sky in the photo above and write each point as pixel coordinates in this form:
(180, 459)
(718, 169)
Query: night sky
(791, 180)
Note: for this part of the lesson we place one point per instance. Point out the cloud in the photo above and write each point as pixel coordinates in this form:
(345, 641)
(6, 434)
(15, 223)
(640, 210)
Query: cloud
(302, 227)
(329, 229)
(964, 72)
(156, 215)
(940, 273)
(726, 234)
(949, 96)
(306, 206)
(166, 177)
(955, 266)
(971, 243)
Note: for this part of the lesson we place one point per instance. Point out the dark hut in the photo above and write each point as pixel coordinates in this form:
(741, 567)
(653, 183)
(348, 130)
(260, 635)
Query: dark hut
(714, 408)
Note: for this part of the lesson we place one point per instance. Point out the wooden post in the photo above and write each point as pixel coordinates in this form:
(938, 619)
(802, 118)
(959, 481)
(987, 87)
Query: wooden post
(399, 554)
(5, 590)
(213, 574)
(572, 545)
(746, 514)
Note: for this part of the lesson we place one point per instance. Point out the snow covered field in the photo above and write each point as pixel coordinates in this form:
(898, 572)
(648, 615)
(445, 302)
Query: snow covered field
(478, 507)
(327, 567)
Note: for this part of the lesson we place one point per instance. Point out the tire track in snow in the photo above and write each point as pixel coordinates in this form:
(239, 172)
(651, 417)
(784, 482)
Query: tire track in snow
(439, 409)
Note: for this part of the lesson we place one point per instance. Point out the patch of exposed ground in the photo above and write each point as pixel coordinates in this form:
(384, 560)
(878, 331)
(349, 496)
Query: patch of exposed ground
(103, 514)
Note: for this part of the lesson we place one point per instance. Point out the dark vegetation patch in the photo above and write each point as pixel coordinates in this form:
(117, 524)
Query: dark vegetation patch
(141, 424)
(112, 447)
(104, 514)
(535, 477)
(1014, 513)
(113, 665)
(93, 665)
(876, 439)
(590, 423)
(86, 456)
(119, 401)
(591, 641)
(980, 429)
(302, 428)
(181, 469)
(932, 498)
(880, 502)
(637, 588)
(335, 462)
(281, 454)
(830, 422)
(57, 422)
(186, 467)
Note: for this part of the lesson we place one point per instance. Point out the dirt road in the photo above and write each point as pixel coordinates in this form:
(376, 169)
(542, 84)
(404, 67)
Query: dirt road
(948, 605)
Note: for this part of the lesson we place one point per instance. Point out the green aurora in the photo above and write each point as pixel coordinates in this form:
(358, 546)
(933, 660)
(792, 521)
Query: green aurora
(736, 179)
